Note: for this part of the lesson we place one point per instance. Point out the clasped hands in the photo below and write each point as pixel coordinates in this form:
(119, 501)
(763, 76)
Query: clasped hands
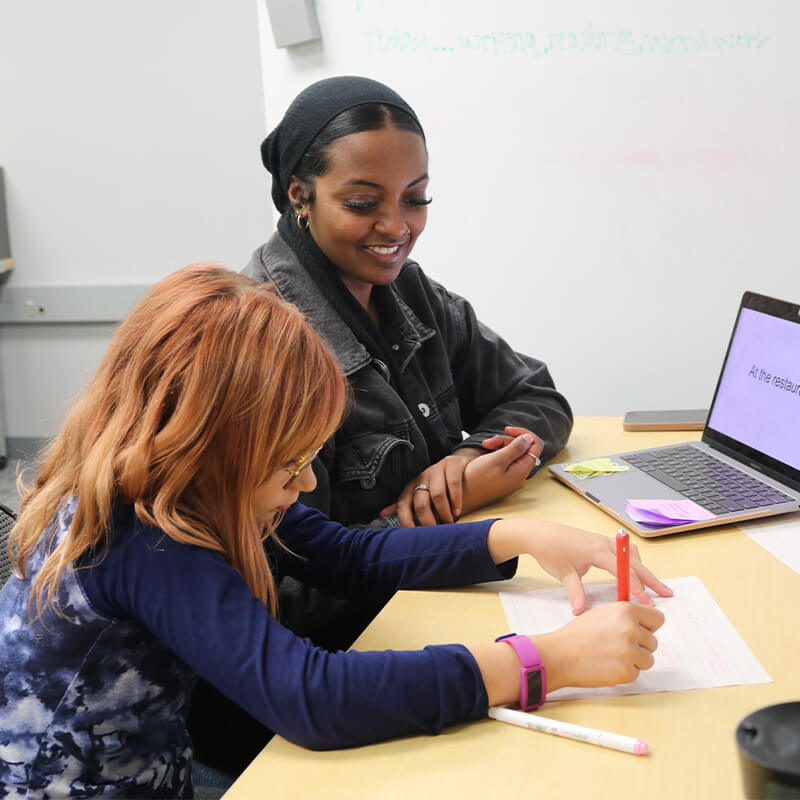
(468, 479)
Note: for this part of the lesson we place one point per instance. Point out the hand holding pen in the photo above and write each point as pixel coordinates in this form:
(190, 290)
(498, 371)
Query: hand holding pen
(620, 636)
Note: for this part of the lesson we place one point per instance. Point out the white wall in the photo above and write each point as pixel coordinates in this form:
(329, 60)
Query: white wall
(129, 137)
(602, 205)
(608, 177)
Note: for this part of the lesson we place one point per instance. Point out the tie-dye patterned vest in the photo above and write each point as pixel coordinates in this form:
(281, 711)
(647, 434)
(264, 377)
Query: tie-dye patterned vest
(89, 706)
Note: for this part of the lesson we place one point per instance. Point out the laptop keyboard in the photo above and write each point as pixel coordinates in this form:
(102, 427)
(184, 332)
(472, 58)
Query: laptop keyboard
(711, 483)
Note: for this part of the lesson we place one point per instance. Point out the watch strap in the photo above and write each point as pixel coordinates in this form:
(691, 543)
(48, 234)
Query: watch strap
(533, 675)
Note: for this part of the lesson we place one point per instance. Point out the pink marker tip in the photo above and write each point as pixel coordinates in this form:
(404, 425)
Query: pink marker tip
(640, 748)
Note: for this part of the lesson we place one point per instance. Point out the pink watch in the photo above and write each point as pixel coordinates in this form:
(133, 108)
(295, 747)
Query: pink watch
(533, 676)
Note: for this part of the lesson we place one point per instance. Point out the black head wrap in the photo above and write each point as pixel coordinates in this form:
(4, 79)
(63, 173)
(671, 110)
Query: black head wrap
(308, 114)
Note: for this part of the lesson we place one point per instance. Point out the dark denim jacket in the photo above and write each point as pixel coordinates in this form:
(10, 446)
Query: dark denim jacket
(461, 375)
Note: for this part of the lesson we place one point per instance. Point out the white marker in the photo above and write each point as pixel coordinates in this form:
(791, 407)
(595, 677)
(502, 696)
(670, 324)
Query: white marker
(590, 735)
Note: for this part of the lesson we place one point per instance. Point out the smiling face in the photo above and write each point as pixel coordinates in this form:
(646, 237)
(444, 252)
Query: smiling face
(369, 207)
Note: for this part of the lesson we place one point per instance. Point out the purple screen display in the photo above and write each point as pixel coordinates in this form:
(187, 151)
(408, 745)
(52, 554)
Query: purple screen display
(758, 400)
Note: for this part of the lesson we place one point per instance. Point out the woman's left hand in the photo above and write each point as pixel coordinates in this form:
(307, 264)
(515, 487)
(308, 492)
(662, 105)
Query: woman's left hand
(499, 440)
(568, 553)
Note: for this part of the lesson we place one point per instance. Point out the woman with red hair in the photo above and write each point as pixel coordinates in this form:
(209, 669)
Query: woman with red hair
(144, 555)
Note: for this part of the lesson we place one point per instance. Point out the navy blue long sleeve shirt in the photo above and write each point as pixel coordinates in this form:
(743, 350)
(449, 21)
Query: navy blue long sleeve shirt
(111, 683)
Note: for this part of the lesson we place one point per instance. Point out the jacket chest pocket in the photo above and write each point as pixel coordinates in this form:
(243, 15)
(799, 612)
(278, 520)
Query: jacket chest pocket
(368, 474)
(360, 460)
(445, 416)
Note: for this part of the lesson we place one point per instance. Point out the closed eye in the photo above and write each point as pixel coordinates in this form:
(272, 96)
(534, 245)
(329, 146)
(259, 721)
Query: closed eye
(360, 205)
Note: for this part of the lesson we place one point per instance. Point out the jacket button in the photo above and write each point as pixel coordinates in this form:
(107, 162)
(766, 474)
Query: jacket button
(424, 409)
(368, 482)
(395, 347)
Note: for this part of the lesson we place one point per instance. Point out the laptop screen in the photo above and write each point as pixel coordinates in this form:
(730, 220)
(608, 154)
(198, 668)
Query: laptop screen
(756, 407)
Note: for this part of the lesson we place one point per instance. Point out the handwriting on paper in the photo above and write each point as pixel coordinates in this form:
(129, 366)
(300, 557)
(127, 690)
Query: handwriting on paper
(698, 647)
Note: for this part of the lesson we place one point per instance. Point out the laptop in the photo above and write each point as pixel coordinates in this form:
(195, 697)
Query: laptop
(747, 464)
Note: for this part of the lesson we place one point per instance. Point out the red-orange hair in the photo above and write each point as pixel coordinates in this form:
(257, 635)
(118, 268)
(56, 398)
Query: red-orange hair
(208, 387)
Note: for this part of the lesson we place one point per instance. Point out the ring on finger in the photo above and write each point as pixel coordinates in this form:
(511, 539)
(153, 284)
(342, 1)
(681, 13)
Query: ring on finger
(536, 459)
(423, 486)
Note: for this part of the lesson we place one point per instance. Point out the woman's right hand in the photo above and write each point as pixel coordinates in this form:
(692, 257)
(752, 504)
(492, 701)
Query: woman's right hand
(605, 646)
(435, 495)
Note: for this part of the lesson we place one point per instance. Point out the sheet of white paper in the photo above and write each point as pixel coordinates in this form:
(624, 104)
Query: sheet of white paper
(779, 535)
(697, 646)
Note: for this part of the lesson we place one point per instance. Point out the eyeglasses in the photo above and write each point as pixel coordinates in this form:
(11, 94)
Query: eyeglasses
(299, 465)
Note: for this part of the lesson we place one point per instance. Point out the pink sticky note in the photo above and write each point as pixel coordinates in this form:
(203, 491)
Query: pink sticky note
(666, 512)
(647, 517)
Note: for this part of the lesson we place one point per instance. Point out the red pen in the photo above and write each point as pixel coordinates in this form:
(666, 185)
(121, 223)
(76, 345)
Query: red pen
(623, 566)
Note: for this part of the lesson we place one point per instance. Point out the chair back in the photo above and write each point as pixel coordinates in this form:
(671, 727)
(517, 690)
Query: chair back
(7, 520)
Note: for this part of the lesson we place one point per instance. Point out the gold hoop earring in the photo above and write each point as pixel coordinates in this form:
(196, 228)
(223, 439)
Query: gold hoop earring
(300, 220)
(408, 230)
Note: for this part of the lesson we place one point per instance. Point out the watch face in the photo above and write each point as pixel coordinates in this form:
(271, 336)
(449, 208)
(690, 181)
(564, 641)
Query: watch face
(534, 678)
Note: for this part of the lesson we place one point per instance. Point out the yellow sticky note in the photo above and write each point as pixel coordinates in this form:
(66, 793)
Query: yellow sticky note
(594, 466)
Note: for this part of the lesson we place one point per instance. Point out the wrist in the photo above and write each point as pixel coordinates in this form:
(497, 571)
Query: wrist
(469, 452)
(500, 667)
(552, 655)
(509, 538)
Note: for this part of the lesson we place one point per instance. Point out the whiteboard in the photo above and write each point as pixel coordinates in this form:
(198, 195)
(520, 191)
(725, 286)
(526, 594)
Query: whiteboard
(607, 178)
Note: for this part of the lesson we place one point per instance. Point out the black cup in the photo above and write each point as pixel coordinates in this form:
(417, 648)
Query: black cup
(769, 752)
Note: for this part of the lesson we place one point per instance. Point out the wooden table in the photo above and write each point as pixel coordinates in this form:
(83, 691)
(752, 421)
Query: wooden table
(691, 733)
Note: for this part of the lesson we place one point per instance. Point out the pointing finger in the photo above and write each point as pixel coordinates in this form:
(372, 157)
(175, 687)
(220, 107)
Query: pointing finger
(575, 592)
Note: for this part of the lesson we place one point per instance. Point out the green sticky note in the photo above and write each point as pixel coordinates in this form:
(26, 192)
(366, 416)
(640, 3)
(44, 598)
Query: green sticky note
(594, 466)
